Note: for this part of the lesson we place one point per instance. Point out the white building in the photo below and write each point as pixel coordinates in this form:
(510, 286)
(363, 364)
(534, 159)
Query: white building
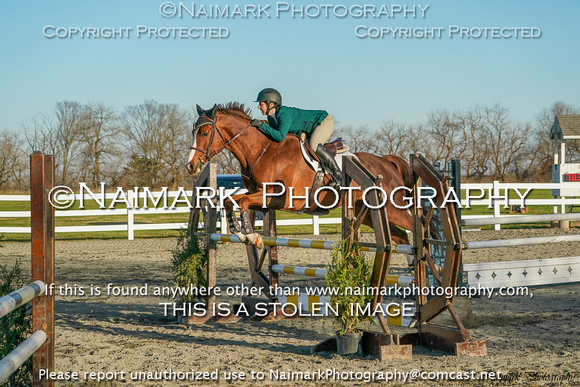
(566, 127)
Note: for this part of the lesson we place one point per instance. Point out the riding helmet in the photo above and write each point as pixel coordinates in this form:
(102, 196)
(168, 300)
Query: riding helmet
(269, 95)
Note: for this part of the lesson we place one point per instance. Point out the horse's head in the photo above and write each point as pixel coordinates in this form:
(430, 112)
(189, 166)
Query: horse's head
(214, 130)
(204, 139)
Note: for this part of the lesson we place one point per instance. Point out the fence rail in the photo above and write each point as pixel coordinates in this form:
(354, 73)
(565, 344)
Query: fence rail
(501, 199)
(20, 354)
(497, 189)
(131, 226)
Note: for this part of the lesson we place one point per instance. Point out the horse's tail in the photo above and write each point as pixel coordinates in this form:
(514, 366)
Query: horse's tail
(403, 168)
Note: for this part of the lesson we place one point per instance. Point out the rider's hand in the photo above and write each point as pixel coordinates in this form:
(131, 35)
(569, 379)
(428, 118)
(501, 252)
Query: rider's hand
(257, 123)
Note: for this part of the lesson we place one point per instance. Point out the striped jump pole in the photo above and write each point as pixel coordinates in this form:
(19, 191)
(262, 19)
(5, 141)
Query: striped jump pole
(306, 243)
(400, 280)
(297, 270)
(19, 297)
(18, 356)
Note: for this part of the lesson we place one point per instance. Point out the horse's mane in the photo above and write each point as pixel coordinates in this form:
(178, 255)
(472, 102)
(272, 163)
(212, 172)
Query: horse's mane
(236, 109)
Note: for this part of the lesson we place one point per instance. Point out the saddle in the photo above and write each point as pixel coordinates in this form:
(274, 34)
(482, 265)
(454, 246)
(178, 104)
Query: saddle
(334, 147)
(338, 149)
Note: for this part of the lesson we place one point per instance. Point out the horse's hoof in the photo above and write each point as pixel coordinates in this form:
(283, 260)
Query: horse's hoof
(256, 240)
(242, 237)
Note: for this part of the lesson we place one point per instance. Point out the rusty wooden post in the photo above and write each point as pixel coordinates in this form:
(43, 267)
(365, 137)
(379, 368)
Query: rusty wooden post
(42, 242)
(346, 212)
(270, 231)
(206, 179)
(210, 221)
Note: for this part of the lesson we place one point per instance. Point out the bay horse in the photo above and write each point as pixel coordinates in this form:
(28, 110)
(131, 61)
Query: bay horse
(265, 161)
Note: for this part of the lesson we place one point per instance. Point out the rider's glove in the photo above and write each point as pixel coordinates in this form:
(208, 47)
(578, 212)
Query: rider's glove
(257, 124)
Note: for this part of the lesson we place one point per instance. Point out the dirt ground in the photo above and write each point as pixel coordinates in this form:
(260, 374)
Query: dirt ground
(531, 341)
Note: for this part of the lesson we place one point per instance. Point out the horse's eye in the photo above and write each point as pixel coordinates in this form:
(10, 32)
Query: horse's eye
(204, 134)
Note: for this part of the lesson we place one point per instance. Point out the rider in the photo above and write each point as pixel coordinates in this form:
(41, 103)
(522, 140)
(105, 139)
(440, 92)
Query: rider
(316, 124)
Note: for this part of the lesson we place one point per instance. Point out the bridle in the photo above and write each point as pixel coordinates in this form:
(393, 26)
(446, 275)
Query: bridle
(214, 128)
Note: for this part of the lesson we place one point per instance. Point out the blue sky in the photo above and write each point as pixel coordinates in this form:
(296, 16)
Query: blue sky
(317, 63)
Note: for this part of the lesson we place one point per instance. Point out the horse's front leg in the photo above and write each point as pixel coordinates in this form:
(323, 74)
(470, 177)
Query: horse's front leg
(233, 223)
(244, 232)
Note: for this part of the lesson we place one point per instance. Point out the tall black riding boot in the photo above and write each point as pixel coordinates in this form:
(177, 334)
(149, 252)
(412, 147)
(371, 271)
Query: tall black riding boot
(329, 163)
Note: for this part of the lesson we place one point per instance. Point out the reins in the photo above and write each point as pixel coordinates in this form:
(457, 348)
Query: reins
(256, 162)
(208, 156)
(206, 153)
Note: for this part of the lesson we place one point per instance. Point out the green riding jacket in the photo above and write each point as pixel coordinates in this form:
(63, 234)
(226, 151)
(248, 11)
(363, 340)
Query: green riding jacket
(292, 120)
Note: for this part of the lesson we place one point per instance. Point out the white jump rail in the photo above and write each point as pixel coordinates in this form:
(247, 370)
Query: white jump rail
(520, 242)
(19, 297)
(16, 358)
(515, 219)
(8, 304)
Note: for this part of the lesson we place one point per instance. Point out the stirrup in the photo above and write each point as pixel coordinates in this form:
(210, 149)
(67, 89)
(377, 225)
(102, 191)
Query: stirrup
(335, 180)
(333, 184)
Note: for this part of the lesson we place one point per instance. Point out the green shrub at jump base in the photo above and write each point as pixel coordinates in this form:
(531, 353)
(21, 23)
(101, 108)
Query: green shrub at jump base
(189, 265)
(348, 270)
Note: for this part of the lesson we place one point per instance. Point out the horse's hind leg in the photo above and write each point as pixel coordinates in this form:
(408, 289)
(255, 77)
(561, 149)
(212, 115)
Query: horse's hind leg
(398, 235)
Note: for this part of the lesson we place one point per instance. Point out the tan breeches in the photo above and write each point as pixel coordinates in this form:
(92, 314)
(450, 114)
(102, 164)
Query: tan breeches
(322, 133)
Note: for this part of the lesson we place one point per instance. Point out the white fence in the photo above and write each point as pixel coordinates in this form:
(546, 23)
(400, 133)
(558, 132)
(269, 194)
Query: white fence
(499, 198)
(130, 226)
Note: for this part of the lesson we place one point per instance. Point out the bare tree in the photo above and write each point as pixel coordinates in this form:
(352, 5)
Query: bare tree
(59, 137)
(41, 136)
(13, 162)
(446, 136)
(176, 136)
(98, 134)
(143, 126)
(506, 142)
(69, 120)
(394, 139)
(156, 134)
(359, 139)
(475, 155)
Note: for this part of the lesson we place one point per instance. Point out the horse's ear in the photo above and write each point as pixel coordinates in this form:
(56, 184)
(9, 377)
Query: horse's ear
(199, 110)
(213, 111)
